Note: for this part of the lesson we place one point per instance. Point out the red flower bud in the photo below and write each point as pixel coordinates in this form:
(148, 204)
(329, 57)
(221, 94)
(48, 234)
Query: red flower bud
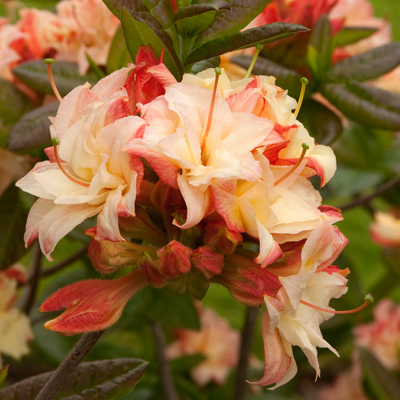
(174, 259)
(207, 261)
(220, 237)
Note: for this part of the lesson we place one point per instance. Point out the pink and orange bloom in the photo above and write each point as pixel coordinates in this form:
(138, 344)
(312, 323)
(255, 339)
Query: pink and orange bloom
(211, 179)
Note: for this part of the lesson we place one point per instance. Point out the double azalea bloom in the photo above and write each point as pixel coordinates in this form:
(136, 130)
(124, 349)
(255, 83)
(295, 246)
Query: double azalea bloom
(212, 177)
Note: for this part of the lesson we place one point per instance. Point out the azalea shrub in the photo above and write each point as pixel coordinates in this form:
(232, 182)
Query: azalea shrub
(199, 187)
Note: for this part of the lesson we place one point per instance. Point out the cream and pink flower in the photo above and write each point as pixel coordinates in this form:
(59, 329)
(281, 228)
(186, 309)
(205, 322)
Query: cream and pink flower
(385, 230)
(216, 340)
(15, 330)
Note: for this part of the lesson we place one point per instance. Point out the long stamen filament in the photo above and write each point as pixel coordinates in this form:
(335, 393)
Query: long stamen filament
(57, 157)
(50, 61)
(253, 61)
(214, 95)
(368, 299)
(305, 147)
(304, 83)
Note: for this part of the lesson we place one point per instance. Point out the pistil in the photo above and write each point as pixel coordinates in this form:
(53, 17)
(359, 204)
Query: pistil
(253, 61)
(57, 157)
(50, 61)
(304, 83)
(305, 147)
(368, 299)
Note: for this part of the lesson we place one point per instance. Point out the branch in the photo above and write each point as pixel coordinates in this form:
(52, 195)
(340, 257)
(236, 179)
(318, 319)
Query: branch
(73, 359)
(386, 187)
(80, 253)
(245, 350)
(165, 371)
(36, 265)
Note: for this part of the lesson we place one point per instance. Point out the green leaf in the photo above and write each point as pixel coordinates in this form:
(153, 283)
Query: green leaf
(13, 217)
(106, 379)
(240, 14)
(94, 67)
(205, 64)
(248, 38)
(66, 76)
(382, 384)
(118, 56)
(33, 129)
(370, 106)
(13, 105)
(3, 375)
(191, 21)
(352, 34)
(138, 32)
(286, 78)
(320, 48)
(368, 65)
(173, 311)
(322, 123)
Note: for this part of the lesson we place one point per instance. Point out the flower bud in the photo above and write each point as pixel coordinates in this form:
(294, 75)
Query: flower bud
(174, 259)
(247, 281)
(207, 261)
(220, 237)
(108, 257)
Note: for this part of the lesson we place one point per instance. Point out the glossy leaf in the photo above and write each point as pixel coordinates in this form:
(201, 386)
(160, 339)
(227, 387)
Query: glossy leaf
(66, 76)
(3, 375)
(138, 32)
(248, 38)
(322, 123)
(173, 311)
(33, 129)
(205, 64)
(118, 56)
(381, 383)
(368, 65)
(240, 14)
(191, 21)
(352, 34)
(106, 379)
(365, 104)
(320, 48)
(285, 77)
(12, 227)
(13, 105)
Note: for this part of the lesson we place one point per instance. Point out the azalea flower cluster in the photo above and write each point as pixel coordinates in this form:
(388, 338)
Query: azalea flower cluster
(194, 182)
(77, 29)
(15, 330)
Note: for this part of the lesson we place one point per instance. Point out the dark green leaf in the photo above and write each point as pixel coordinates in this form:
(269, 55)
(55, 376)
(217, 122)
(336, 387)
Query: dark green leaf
(94, 67)
(191, 21)
(365, 104)
(352, 34)
(205, 64)
(382, 384)
(13, 105)
(43, 4)
(320, 48)
(138, 32)
(119, 56)
(106, 379)
(173, 311)
(322, 123)
(248, 38)
(66, 76)
(240, 14)
(13, 217)
(3, 375)
(368, 65)
(33, 129)
(285, 78)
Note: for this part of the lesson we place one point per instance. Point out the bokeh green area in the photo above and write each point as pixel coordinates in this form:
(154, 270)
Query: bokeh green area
(366, 158)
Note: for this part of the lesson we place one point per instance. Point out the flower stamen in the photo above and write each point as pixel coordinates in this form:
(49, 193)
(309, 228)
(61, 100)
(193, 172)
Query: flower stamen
(304, 83)
(305, 147)
(253, 61)
(368, 299)
(57, 157)
(50, 61)
(214, 95)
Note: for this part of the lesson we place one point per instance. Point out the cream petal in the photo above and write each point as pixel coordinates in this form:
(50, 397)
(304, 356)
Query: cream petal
(107, 86)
